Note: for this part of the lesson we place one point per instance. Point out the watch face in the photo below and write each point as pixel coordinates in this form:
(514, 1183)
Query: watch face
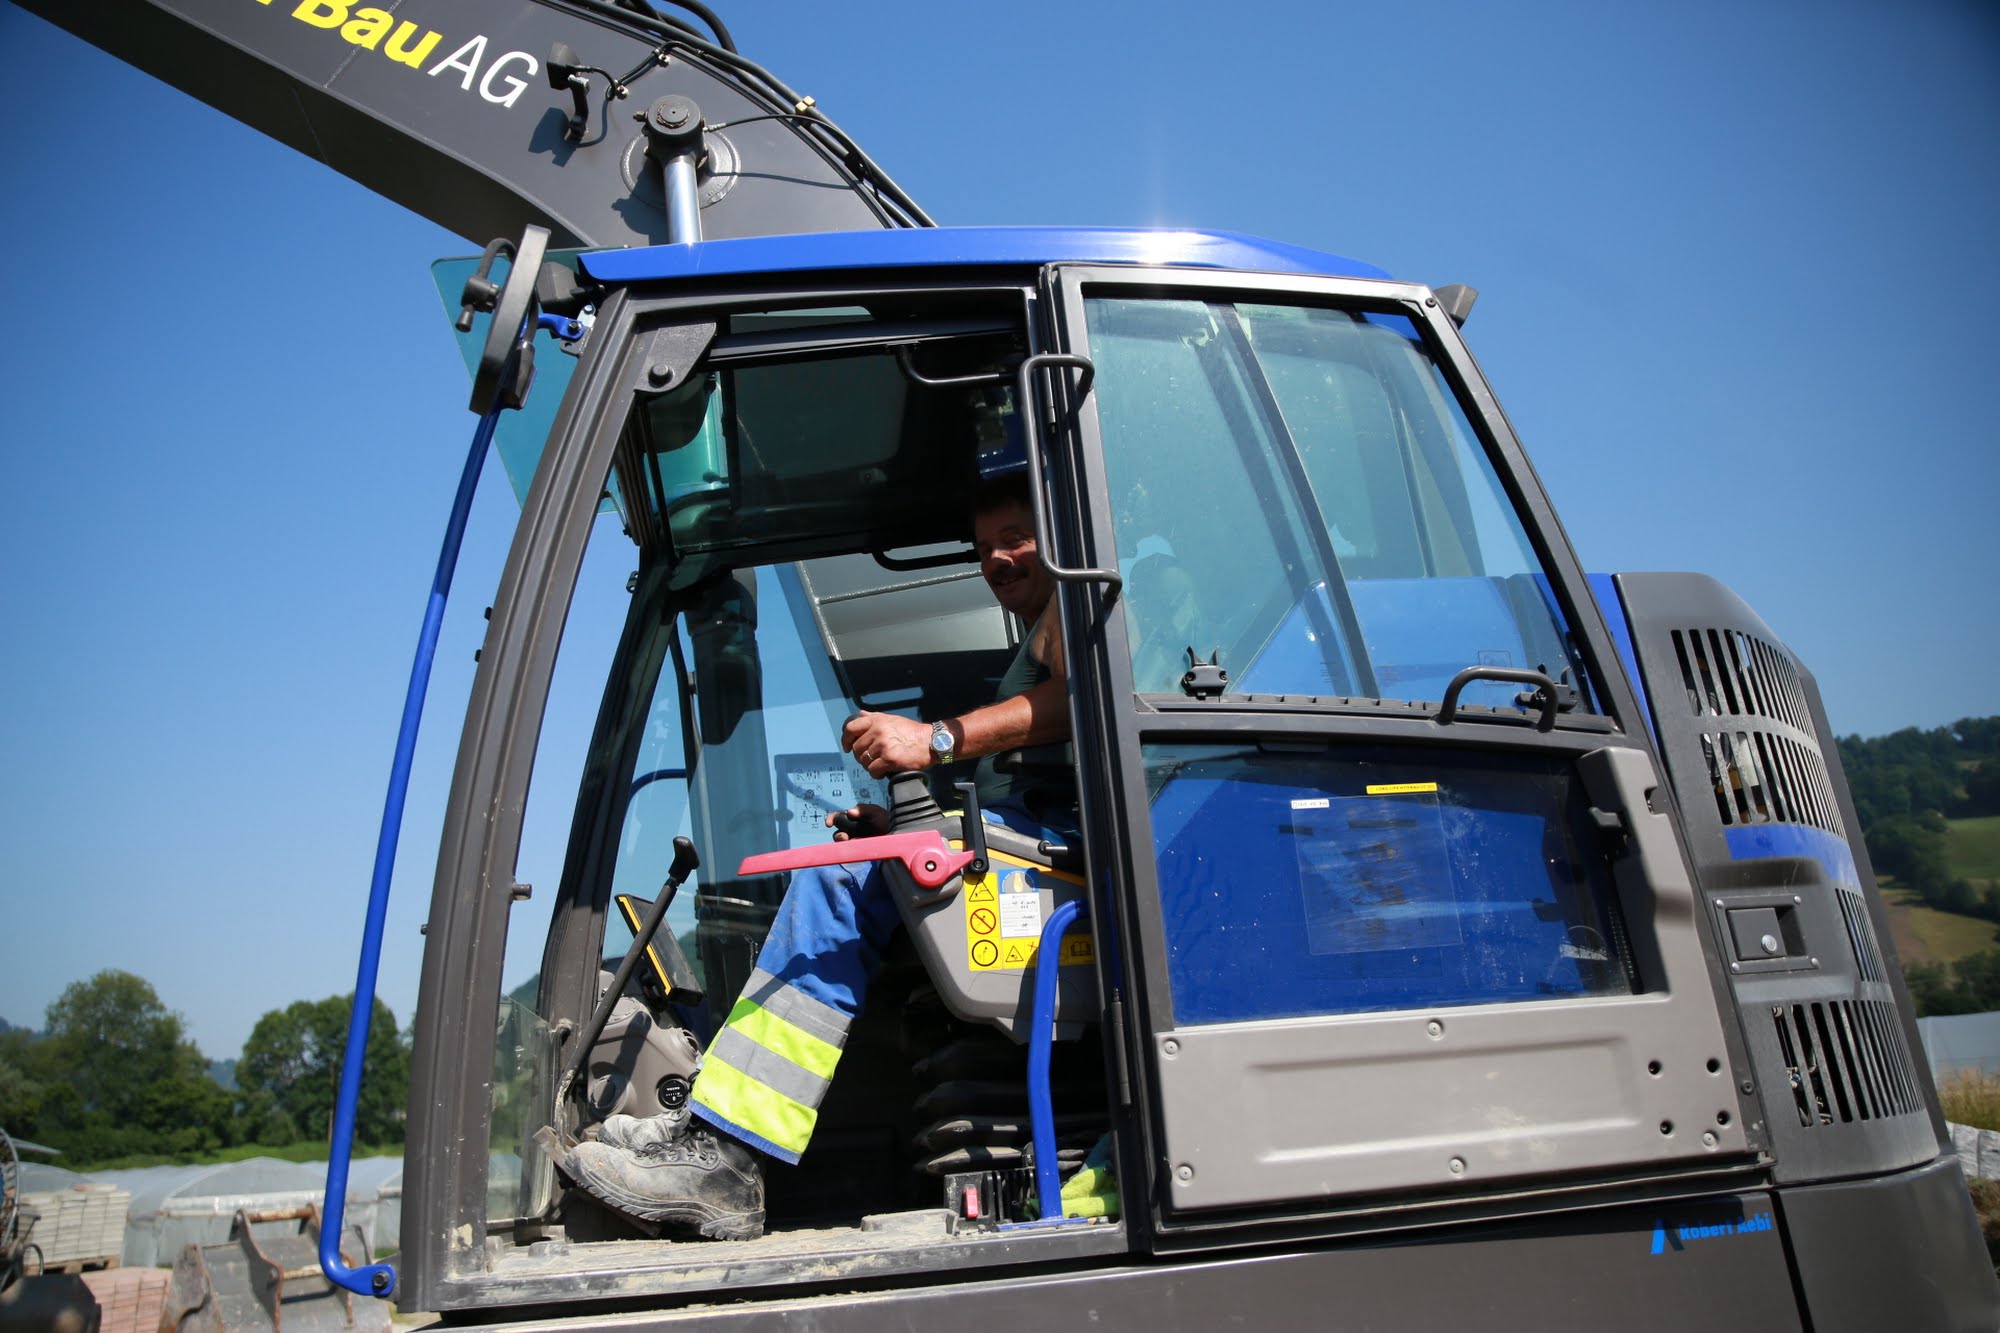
(941, 741)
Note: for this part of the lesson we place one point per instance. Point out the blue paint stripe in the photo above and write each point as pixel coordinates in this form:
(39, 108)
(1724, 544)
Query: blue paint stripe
(1760, 840)
(742, 1135)
(1605, 590)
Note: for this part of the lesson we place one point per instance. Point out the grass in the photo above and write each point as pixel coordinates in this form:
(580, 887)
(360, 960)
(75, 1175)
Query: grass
(1972, 849)
(1926, 935)
(1971, 1097)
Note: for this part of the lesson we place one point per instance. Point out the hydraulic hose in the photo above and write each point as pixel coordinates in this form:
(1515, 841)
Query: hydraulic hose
(673, 33)
(380, 1279)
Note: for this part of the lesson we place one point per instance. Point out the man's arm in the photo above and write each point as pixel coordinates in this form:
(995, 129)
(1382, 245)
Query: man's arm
(886, 743)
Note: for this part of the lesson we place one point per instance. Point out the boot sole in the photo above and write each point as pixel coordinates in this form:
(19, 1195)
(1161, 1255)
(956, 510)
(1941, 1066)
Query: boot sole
(706, 1221)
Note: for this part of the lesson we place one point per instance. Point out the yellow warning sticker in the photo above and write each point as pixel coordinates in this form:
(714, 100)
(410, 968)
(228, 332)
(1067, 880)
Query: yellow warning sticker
(1399, 788)
(1003, 921)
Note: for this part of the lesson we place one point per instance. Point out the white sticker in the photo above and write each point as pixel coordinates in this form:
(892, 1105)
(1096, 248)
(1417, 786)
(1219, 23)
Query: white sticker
(1020, 906)
(1317, 803)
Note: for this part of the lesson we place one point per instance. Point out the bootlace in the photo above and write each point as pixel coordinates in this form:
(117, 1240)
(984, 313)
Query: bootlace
(697, 1149)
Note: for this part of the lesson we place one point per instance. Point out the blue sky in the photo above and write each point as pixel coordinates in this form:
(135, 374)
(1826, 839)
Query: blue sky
(1738, 284)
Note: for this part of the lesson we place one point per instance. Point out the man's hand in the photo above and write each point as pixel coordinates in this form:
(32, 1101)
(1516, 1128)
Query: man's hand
(885, 743)
(865, 820)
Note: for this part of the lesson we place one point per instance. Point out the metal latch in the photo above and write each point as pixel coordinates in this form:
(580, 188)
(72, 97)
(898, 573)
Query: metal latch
(1204, 680)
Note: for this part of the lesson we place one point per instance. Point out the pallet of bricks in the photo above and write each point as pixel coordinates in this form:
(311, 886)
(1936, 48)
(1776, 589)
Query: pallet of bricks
(79, 1227)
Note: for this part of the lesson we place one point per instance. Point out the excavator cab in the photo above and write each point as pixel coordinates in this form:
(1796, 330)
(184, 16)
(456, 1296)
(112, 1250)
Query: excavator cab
(782, 539)
(1371, 930)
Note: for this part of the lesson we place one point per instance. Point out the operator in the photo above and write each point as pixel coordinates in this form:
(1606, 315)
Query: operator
(766, 1072)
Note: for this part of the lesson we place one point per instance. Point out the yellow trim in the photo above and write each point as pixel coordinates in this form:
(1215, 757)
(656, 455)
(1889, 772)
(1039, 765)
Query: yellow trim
(1400, 788)
(632, 923)
(764, 1111)
(773, 1033)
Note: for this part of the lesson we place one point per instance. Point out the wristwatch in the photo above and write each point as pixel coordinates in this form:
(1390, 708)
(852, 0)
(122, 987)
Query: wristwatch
(944, 745)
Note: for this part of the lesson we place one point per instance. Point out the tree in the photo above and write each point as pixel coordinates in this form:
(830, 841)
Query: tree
(1911, 851)
(112, 1037)
(1982, 788)
(21, 1092)
(292, 1061)
(118, 1075)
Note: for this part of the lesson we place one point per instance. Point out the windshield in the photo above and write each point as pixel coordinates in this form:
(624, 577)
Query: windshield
(1297, 495)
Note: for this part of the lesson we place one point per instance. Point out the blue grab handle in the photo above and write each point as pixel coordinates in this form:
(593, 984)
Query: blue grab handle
(1041, 1041)
(380, 1279)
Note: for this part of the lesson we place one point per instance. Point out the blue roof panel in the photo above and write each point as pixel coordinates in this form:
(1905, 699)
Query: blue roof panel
(929, 247)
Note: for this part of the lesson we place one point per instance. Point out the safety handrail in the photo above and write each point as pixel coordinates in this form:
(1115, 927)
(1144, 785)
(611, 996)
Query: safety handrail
(1545, 691)
(380, 1279)
(1032, 446)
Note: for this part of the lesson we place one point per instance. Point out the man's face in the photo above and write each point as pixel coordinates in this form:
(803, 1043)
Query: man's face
(1005, 543)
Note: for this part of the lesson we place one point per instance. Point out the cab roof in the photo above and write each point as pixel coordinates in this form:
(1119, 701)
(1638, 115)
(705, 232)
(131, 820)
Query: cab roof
(931, 247)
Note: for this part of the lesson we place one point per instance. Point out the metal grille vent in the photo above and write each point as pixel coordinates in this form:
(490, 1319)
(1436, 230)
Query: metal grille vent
(1760, 777)
(1860, 932)
(1730, 673)
(1846, 1061)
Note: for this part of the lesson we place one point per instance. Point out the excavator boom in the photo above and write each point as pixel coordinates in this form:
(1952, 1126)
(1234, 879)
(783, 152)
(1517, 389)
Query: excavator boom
(451, 110)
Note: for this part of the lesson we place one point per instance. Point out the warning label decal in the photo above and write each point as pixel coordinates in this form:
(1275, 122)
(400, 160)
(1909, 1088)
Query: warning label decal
(1020, 906)
(1003, 922)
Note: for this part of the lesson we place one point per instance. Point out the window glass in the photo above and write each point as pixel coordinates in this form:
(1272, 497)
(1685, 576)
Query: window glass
(656, 812)
(1216, 549)
(1295, 488)
(1376, 880)
(826, 429)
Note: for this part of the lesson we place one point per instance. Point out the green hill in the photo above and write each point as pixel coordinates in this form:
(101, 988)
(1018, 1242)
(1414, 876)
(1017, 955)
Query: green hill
(1927, 935)
(1972, 849)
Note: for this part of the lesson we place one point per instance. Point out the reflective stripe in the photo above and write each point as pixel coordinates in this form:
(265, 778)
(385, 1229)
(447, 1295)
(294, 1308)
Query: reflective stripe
(814, 1017)
(773, 1029)
(735, 1049)
(744, 1101)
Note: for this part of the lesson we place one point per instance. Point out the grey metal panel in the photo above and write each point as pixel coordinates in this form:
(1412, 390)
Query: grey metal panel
(1831, 1043)
(1900, 1251)
(1714, 1265)
(470, 150)
(1453, 1099)
(1463, 1098)
(1001, 989)
(890, 614)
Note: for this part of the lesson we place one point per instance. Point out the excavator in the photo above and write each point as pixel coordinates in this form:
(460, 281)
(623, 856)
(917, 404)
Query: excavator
(1432, 934)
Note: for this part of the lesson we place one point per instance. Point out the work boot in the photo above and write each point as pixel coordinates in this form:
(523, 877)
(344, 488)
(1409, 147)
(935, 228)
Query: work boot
(693, 1177)
(633, 1132)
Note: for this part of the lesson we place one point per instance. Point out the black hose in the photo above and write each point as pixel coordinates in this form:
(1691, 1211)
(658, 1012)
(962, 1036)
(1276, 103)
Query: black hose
(700, 11)
(675, 33)
(644, 9)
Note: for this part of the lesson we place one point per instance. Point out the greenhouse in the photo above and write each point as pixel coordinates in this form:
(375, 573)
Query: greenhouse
(176, 1206)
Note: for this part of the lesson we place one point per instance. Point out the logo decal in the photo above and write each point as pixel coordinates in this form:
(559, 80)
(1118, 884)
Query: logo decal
(1679, 1237)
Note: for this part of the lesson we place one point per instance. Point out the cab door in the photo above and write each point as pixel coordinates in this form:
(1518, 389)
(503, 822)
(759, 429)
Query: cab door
(1405, 911)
